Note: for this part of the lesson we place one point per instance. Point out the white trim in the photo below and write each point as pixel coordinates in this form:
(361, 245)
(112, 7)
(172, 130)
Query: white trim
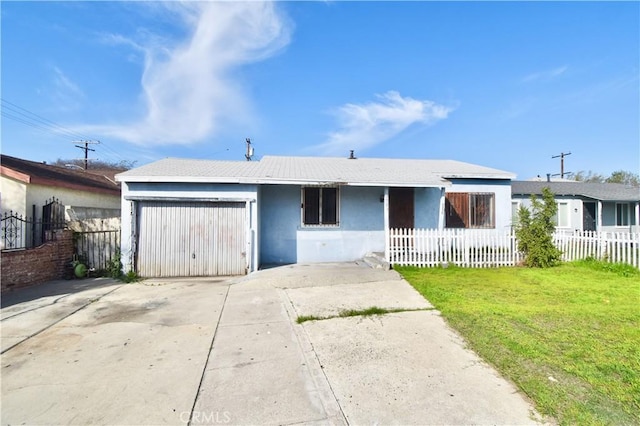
(386, 223)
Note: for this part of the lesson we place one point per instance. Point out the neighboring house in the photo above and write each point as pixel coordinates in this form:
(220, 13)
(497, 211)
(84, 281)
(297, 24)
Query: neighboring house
(184, 217)
(27, 186)
(584, 206)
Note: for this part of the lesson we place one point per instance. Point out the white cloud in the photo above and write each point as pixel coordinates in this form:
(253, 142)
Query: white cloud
(188, 88)
(545, 75)
(66, 93)
(365, 125)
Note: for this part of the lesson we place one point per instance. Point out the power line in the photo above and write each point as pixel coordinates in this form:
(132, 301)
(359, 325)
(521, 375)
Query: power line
(30, 118)
(24, 116)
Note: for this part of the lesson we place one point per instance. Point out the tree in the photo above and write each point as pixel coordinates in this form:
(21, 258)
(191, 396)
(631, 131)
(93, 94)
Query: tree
(619, 176)
(534, 232)
(622, 176)
(97, 164)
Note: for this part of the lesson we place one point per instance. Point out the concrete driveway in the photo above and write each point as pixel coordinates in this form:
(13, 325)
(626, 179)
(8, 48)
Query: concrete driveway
(229, 351)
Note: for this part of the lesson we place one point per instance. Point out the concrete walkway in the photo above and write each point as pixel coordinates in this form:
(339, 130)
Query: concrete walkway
(228, 351)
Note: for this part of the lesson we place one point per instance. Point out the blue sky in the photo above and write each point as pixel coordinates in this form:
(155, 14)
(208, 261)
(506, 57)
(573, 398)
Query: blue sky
(500, 84)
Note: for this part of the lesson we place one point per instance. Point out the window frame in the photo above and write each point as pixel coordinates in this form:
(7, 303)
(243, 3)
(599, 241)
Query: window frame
(566, 216)
(468, 201)
(321, 205)
(623, 212)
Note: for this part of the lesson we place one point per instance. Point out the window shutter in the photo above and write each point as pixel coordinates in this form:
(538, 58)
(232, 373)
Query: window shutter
(457, 209)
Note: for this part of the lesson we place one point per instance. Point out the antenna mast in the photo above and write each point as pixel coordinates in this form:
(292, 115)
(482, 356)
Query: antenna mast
(86, 150)
(249, 153)
(562, 155)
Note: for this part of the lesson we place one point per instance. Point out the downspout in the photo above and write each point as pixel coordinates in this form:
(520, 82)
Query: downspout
(637, 221)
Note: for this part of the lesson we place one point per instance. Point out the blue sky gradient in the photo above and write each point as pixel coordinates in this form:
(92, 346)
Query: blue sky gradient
(500, 84)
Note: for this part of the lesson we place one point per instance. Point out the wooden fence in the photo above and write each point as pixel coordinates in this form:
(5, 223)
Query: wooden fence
(615, 247)
(489, 248)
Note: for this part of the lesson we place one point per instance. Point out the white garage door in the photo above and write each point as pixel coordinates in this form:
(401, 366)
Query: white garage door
(191, 239)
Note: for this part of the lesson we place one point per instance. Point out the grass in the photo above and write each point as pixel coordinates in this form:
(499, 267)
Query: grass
(568, 336)
(373, 310)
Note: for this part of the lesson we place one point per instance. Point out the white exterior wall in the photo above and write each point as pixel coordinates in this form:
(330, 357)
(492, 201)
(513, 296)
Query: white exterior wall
(132, 191)
(13, 196)
(575, 217)
(21, 197)
(502, 191)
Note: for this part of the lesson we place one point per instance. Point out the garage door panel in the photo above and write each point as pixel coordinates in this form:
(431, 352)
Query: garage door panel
(191, 239)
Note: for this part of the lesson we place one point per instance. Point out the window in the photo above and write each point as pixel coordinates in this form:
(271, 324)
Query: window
(622, 214)
(319, 206)
(470, 210)
(515, 208)
(562, 216)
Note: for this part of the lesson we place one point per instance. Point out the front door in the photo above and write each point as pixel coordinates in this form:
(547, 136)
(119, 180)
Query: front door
(588, 216)
(401, 207)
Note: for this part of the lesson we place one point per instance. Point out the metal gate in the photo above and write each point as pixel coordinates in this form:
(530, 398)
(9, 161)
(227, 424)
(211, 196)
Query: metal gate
(191, 239)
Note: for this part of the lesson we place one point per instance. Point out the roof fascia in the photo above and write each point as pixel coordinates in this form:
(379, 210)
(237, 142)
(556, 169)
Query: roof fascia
(73, 186)
(22, 177)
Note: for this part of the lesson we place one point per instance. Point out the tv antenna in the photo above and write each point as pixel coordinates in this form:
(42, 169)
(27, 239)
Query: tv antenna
(249, 153)
(561, 156)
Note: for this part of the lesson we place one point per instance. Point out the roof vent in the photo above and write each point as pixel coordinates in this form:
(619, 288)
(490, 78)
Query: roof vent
(351, 156)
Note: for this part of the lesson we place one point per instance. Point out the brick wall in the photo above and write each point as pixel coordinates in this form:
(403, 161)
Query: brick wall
(22, 268)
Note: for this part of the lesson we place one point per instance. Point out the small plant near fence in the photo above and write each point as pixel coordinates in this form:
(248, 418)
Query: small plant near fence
(534, 232)
(114, 270)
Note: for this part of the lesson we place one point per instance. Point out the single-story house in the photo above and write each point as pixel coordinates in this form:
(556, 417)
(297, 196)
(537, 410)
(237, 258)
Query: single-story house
(585, 206)
(26, 186)
(185, 217)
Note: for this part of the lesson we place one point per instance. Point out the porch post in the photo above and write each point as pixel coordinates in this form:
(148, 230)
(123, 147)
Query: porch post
(441, 217)
(637, 221)
(386, 224)
(599, 223)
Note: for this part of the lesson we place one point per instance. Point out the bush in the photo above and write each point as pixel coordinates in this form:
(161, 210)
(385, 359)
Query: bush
(534, 232)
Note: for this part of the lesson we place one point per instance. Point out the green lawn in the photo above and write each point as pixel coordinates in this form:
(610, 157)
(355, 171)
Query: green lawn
(568, 336)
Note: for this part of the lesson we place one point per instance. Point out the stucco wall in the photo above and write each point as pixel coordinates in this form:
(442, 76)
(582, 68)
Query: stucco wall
(184, 191)
(427, 208)
(20, 197)
(285, 240)
(576, 210)
(279, 218)
(502, 191)
(39, 195)
(13, 196)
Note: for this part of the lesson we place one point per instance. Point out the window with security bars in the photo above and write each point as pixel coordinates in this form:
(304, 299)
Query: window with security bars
(320, 206)
(470, 210)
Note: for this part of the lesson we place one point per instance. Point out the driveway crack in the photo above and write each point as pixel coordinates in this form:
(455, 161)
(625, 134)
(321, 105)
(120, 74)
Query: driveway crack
(206, 363)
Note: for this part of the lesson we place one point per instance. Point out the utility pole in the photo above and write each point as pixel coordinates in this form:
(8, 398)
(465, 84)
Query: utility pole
(562, 155)
(249, 153)
(86, 150)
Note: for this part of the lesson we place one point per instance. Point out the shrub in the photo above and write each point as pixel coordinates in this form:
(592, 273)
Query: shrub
(535, 229)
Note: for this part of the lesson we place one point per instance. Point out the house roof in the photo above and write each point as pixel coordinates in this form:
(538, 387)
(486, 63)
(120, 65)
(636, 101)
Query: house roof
(313, 170)
(596, 191)
(32, 172)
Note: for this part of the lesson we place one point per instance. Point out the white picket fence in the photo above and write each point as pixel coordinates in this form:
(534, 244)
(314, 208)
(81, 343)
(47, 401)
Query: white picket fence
(483, 248)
